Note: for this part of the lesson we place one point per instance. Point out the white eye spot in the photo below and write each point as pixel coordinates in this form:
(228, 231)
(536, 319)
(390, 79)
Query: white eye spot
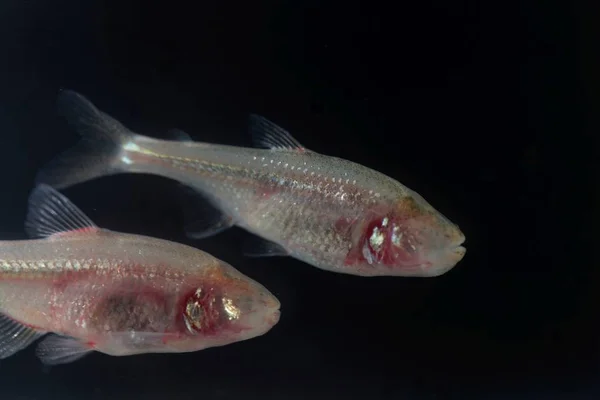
(384, 222)
(376, 239)
(232, 311)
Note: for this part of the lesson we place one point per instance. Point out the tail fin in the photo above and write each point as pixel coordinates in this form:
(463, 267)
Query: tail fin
(97, 154)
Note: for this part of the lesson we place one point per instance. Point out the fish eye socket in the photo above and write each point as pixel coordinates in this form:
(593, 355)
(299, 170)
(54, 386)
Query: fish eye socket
(376, 239)
(377, 234)
(194, 315)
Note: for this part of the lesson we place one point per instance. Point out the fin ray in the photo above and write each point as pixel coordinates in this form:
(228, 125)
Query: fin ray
(202, 218)
(50, 212)
(269, 135)
(15, 336)
(97, 153)
(56, 349)
(255, 246)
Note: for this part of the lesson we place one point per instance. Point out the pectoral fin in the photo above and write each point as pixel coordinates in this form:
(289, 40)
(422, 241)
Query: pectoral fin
(202, 218)
(15, 336)
(255, 246)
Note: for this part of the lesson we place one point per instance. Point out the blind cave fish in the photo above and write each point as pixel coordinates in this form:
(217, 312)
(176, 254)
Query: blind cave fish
(331, 213)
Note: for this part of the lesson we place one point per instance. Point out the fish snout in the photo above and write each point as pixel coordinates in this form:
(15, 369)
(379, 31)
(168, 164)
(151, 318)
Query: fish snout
(272, 318)
(449, 253)
(272, 308)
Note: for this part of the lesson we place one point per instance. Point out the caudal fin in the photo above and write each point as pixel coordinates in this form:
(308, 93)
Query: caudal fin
(97, 154)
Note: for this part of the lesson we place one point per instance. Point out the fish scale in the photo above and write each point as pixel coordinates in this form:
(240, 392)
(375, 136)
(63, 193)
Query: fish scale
(287, 212)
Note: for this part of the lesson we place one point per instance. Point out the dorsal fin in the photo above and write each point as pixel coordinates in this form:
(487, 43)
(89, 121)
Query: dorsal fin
(178, 135)
(266, 134)
(52, 213)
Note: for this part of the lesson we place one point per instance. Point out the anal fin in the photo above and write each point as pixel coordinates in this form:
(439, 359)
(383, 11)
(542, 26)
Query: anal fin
(56, 349)
(15, 336)
(202, 218)
(255, 246)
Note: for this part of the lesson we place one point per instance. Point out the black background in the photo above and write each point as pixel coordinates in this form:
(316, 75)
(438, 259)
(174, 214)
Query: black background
(485, 108)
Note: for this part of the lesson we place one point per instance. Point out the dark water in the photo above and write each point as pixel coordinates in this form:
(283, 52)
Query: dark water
(486, 110)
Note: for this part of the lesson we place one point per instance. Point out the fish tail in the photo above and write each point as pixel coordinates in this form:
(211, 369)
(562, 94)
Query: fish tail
(100, 152)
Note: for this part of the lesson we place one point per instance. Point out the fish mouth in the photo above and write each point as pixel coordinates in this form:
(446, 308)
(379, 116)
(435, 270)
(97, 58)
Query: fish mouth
(457, 243)
(273, 311)
(456, 250)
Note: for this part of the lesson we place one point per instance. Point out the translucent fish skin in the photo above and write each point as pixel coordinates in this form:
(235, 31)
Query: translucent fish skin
(315, 206)
(95, 286)
(331, 213)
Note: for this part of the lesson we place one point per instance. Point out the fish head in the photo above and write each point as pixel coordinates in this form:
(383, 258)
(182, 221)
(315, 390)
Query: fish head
(410, 238)
(225, 307)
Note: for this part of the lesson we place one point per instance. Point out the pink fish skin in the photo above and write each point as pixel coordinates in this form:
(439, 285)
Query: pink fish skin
(331, 213)
(119, 294)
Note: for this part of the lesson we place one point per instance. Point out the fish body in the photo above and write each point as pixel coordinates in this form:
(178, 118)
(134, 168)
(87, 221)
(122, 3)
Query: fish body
(116, 293)
(331, 213)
